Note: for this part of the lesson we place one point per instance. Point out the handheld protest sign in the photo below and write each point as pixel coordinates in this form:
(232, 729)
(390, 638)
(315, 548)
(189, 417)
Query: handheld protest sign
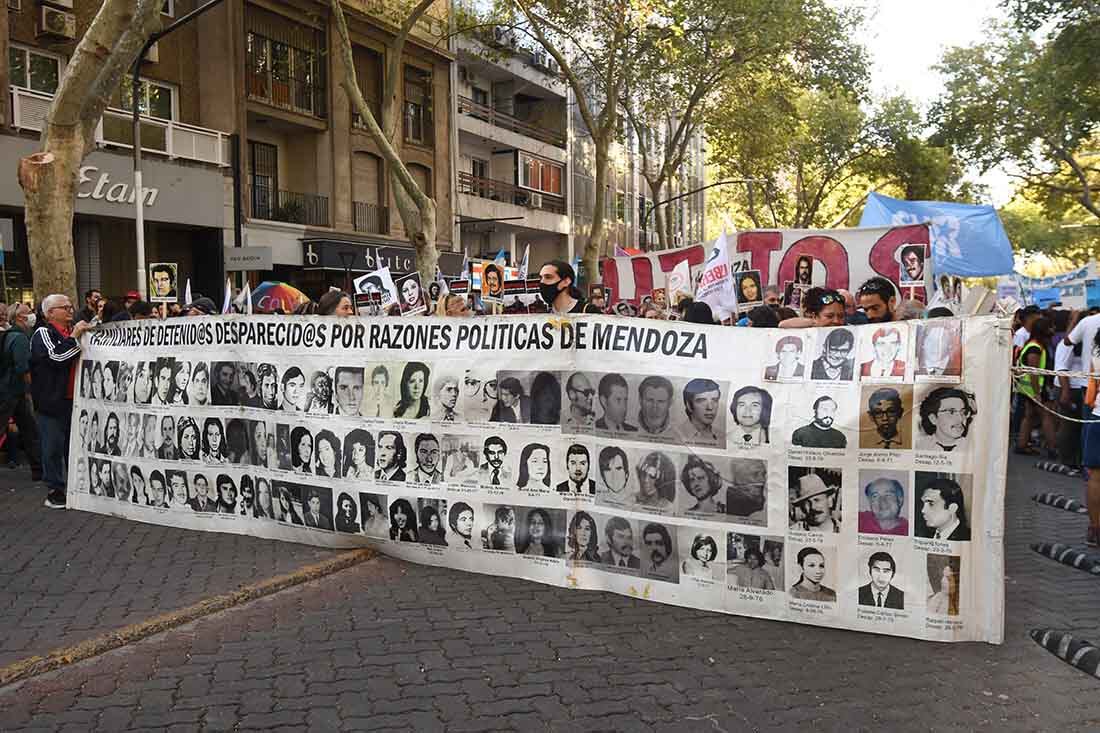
(162, 282)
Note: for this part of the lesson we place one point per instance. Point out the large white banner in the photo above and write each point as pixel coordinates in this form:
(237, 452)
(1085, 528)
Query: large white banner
(847, 477)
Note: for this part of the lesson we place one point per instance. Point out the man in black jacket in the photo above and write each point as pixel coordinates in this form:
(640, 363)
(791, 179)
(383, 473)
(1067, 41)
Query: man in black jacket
(55, 354)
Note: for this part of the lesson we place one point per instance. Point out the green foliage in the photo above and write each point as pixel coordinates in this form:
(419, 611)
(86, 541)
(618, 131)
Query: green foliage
(1032, 233)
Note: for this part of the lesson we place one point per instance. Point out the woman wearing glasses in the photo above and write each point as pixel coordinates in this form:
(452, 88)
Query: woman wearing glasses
(824, 307)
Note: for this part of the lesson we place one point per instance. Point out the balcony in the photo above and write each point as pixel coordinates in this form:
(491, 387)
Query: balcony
(505, 121)
(430, 27)
(487, 188)
(286, 93)
(174, 140)
(288, 206)
(371, 218)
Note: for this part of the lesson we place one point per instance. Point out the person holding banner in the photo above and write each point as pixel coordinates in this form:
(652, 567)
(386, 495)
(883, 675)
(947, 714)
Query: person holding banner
(557, 287)
(878, 299)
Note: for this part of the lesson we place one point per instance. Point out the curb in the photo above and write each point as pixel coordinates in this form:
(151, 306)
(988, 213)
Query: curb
(1060, 501)
(1056, 467)
(33, 666)
(1067, 556)
(1074, 652)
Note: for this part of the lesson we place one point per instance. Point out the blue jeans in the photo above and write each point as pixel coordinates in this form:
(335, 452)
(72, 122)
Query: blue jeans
(53, 435)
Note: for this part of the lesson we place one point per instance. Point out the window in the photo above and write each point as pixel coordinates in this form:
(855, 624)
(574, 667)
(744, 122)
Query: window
(284, 66)
(418, 106)
(423, 177)
(479, 168)
(539, 175)
(169, 8)
(368, 69)
(154, 99)
(263, 163)
(481, 96)
(34, 70)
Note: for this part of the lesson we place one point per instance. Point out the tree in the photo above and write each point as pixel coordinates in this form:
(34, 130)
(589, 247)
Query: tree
(416, 208)
(49, 178)
(1030, 105)
(1033, 233)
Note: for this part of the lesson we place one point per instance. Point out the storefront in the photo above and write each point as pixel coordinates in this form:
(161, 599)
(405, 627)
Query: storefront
(185, 216)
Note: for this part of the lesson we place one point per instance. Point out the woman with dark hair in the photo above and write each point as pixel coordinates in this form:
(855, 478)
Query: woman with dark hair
(188, 438)
(704, 551)
(1036, 389)
(545, 399)
(213, 441)
(110, 381)
(86, 379)
(236, 441)
(97, 381)
(538, 537)
(327, 450)
(809, 586)
(301, 449)
(286, 511)
(432, 531)
(582, 539)
(824, 306)
(414, 391)
(751, 573)
(258, 447)
(702, 482)
(403, 521)
(143, 382)
(346, 514)
(656, 480)
(534, 466)
(263, 508)
(335, 303)
(359, 455)
(125, 381)
(461, 519)
(181, 377)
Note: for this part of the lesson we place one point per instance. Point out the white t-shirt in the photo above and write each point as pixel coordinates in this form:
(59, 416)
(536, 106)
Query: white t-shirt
(1020, 337)
(1066, 361)
(1084, 333)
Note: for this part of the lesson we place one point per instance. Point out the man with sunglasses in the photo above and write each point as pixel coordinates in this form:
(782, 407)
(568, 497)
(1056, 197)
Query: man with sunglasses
(582, 416)
(55, 354)
(878, 299)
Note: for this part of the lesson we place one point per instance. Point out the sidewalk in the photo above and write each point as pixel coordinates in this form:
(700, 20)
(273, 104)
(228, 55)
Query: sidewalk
(388, 645)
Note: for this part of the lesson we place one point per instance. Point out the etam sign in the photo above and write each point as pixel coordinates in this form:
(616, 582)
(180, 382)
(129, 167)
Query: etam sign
(97, 186)
(843, 258)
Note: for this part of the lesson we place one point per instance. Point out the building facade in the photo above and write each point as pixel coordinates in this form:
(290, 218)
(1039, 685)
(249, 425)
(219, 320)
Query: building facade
(249, 140)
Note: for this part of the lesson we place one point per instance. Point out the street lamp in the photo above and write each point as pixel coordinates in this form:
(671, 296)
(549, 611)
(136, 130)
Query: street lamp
(348, 258)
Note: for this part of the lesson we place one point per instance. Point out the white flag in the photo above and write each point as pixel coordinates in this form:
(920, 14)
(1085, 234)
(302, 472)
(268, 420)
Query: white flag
(228, 297)
(716, 285)
(244, 299)
(524, 263)
(679, 284)
(187, 293)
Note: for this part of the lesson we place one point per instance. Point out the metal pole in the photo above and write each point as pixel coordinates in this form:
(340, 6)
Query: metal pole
(647, 212)
(135, 91)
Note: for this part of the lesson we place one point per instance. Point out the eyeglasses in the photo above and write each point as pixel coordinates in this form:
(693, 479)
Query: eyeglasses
(881, 413)
(954, 412)
(63, 307)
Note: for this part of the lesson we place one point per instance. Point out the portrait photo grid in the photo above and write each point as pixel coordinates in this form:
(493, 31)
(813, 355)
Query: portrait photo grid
(825, 476)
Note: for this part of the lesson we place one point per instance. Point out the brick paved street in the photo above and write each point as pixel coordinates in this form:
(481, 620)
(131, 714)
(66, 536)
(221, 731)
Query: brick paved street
(390, 645)
(68, 576)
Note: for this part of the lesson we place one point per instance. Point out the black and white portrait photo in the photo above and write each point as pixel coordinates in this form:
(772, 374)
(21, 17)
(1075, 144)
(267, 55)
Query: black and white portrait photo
(379, 391)
(820, 431)
(499, 532)
(179, 492)
(939, 348)
(816, 568)
(944, 573)
(203, 497)
(347, 514)
(223, 389)
(540, 532)
(143, 382)
(881, 426)
(413, 389)
(701, 487)
(578, 469)
(582, 539)
(534, 467)
(789, 364)
(446, 391)
(347, 389)
(751, 408)
(213, 442)
(373, 518)
(390, 456)
(945, 415)
(479, 394)
(527, 397)
(295, 394)
(815, 499)
(746, 491)
(412, 301)
(618, 545)
(655, 395)
(460, 519)
(198, 386)
(836, 362)
(701, 553)
(358, 455)
(462, 455)
(225, 493)
(433, 521)
(327, 454)
(881, 590)
(703, 421)
(496, 466)
(317, 507)
(265, 499)
(288, 502)
(427, 460)
(579, 413)
(614, 399)
(162, 381)
(236, 441)
(745, 563)
(614, 473)
(656, 478)
(943, 503)
(659, 558)
(301, 449)
(912, 264)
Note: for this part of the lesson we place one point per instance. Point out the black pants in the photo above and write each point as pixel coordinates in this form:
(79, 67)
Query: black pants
(1069, 433)
(20, 409)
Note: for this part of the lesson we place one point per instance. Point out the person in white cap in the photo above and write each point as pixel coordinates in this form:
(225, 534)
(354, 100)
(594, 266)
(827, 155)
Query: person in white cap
(814, 507)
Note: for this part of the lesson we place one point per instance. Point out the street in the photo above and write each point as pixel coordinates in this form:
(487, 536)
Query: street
(387, 645)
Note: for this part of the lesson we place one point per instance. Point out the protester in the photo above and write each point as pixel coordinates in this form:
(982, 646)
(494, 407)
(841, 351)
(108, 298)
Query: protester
(141, 311)
(1071, 394)
(15, 365)
(131, 297)
(454, 306)
(763, 316)
(1025, 318)
(90, 310)
(335, 303)
(772, 296)
(699, 312)
(201, 306)
(824, 307)
(939, 312)
(878, 300)
(55, 353)
(557, 286)
(1035, 389)
(1090, 435)
(910, 310)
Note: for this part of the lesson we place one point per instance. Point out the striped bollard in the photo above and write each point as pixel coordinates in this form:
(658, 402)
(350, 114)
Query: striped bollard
(1075, 652)
(1060, 501)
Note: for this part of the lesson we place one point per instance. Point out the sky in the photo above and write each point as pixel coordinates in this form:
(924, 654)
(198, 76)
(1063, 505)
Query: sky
(906, 39)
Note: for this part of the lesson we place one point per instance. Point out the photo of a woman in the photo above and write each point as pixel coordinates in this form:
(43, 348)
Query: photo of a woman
(213, 441)
(181, 377)
(110, 380)
(285, 511)
(236, 441)
(656, 481)
(375, 522)
(358, 455)
(259, 446)
(125, 382)
(704, 550)
(263, 506)
(346, 514)
(143, 382)
(414, 389)
(97, 381)
(188, 438)
(328, 454)
(810, 585)
(702, 482)
(403, 522)
(582, 538)
(412, 295)
(301, 450)
(432, 531)
(534, 466)
(536, 535)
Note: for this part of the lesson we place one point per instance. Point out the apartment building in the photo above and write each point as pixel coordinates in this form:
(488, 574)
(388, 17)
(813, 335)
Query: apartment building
(526, 162)
(249, 140)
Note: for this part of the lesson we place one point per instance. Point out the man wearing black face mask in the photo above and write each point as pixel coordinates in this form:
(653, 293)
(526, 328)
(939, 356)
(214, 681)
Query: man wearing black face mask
(556, 279)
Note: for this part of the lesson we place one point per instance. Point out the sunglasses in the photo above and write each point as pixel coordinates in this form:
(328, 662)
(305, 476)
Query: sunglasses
(829, 299)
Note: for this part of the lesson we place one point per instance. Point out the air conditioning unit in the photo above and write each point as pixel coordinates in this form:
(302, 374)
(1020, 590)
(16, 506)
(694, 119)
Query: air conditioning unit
(540, 57)
(534, 200)
(152, 56)
(58, 23)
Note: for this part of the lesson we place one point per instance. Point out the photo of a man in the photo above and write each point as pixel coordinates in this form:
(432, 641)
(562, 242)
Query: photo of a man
(614, 397)
(886, 347)
(349, 390)
(942, 513)
(881, 426)
(939, 348)
(881, 591)
(162, 282)
(912, 263)
(788, 364)
(946, 414)
(659, 552)
(427, 454)
(815, 499)
(493, 472)
(619, 536)
(804, 270)
(702, 408)
(512, 404)
(884, 495)
(577, 465)
(836, 362)
(820, 433)
(751, 408)
(655, 396)
(390, 457)
(581, 415)
(447, 390)
(492, 283)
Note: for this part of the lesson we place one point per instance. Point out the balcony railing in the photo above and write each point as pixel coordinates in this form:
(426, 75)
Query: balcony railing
(487, 188)
(371, 218)
(115, 129)
(288, 206)
(506, 121)
(294, 95)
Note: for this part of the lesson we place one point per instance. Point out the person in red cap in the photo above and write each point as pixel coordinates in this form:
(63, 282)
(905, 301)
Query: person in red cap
(132, 296)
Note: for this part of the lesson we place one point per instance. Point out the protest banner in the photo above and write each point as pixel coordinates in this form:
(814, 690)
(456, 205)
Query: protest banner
(849, 477)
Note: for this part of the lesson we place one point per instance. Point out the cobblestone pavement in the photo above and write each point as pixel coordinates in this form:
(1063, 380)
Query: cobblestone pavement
(69, 575)
(391, 645)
